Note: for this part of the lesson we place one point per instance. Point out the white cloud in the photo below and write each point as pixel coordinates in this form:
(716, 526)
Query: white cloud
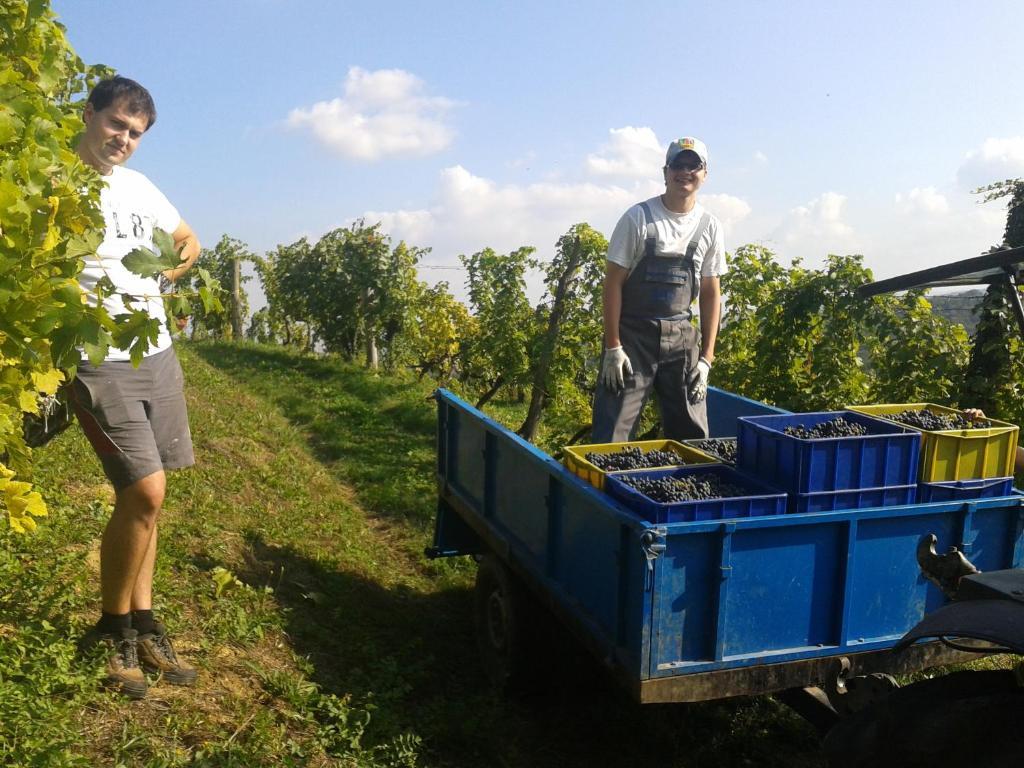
(823, 215)
(415, 227)
(814, 230)
(525, 162)
(907, 239)
(922, 200)
(995, 160)
(381, 113)
(730, 210)
(630, 153)
(470, 212)
(760, 158)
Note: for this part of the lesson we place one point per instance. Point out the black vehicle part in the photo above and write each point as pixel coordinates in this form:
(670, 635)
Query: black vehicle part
(944, 571)
(961, 718)
(842, 694)
(1000, 622)
(849, 693)
(989, 606)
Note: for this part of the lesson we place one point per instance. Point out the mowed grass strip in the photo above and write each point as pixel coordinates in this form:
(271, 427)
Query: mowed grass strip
(291, 569)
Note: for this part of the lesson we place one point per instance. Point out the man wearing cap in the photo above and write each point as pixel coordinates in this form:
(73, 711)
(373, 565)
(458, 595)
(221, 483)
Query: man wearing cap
(665, 253)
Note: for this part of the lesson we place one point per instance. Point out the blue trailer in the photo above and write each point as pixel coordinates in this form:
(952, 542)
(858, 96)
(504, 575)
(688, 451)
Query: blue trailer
(692, 611)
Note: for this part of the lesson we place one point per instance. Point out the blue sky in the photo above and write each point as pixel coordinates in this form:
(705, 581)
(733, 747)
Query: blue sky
(832, 127)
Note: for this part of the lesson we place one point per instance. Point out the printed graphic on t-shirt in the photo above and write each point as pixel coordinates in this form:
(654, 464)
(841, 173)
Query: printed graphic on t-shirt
(132, 208)
(127, 225)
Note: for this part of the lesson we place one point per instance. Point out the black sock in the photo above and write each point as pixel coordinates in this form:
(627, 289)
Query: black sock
(113, 623)
(143, 621)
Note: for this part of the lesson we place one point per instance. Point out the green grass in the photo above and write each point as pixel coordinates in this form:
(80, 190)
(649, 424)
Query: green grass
(291, 568)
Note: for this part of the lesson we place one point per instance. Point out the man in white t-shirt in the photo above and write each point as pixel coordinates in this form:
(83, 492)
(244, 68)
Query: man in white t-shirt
(134, 417)
(664, 254)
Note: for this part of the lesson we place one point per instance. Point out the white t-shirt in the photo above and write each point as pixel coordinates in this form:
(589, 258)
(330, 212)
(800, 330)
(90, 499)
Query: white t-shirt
(674, 231)
(132, 206)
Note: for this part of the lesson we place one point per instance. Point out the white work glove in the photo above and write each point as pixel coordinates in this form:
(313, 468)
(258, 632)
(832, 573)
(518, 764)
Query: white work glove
(697, 382)
(615, 368)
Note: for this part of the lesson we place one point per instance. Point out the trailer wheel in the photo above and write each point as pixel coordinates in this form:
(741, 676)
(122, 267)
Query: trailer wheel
(503, 620)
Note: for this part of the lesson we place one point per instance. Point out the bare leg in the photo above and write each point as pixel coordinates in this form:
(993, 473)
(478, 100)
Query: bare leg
(142, 592)
(127, 540)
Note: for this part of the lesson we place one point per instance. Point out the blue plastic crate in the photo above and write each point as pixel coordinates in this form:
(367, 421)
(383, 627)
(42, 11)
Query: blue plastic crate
(886, 456)
(963, 490)
(857, 498)
(762, 499)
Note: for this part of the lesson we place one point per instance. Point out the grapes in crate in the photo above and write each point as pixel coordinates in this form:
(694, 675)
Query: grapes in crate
(632, 457)
(838, 427)
(722, 449)
(668, 490)
(933, 421)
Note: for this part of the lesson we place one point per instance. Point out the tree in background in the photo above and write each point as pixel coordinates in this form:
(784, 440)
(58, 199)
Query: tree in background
(498, 354)
(567, 339)
(809, 336)
(389, 295)
(995, 374)
(223, 262)
(352, 289)
(317, 283)
(433, 333)
(749, 284)
(916, 356)
(804, 340)
(282, 272)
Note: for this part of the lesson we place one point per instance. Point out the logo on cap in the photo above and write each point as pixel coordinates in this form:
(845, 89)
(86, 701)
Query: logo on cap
(686, 143)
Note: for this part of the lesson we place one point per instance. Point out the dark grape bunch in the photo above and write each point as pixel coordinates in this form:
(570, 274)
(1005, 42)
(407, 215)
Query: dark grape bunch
(667, 490)
(837, 427)
(633, 458)
(723, 449)
(932, 421)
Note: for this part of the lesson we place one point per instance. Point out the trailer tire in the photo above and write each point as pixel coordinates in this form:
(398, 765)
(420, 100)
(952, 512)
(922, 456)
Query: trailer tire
(506, 621)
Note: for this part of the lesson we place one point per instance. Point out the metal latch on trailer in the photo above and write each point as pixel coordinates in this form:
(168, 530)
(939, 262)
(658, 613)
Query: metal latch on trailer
(652, 543)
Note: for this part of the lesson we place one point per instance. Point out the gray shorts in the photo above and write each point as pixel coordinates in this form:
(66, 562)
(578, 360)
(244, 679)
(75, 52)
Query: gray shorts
(135, 418)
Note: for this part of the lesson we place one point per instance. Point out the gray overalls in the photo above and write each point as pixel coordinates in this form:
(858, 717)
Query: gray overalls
(660, 342)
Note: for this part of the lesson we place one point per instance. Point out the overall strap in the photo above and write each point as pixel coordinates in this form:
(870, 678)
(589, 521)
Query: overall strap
(698, 233)
(650, 233)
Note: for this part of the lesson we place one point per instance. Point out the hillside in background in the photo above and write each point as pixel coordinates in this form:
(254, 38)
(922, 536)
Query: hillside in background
(958, 307)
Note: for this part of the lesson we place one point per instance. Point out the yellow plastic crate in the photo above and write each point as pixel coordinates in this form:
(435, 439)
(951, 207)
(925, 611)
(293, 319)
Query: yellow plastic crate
(957, 454)
(575, 457)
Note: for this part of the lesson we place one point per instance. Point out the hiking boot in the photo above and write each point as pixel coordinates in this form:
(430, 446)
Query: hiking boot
(123, 670)
(157, 655)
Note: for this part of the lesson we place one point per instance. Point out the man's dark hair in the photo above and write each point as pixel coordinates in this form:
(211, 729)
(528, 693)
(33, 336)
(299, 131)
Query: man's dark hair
(138, 100)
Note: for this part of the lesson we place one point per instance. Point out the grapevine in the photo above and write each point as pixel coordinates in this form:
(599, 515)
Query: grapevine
(50, 218)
